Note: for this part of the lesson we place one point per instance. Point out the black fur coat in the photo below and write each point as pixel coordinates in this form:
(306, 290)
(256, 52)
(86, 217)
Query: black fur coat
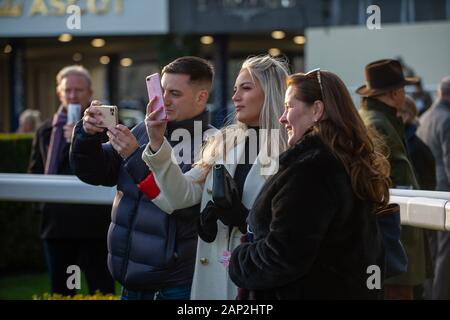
(313, 238)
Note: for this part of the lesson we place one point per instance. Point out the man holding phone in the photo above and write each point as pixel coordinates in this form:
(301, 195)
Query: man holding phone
(73, 234)
(151, 253)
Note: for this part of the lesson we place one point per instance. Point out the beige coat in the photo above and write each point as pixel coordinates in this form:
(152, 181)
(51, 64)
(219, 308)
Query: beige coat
(178, 190)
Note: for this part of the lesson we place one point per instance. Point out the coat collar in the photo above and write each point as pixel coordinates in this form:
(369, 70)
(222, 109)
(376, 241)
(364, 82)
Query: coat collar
(389, 112)
(310, 141)
(254, 180)
(252, 185)
(189, 124)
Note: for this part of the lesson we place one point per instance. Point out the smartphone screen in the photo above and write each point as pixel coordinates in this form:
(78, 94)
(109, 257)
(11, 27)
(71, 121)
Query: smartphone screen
(154, 89)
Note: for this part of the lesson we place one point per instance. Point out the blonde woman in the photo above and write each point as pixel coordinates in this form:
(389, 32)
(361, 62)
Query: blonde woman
(258, 97)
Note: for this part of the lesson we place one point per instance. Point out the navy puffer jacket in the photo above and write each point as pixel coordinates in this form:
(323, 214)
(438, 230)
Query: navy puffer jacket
(148, 248)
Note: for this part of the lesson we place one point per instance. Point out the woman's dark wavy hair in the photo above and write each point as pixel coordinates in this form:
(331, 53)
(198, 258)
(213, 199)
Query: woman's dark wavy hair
(359, 148)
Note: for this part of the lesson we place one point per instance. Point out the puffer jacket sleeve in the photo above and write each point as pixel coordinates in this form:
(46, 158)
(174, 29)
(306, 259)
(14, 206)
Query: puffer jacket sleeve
(135, 167)
(93, 162)
(177, 190)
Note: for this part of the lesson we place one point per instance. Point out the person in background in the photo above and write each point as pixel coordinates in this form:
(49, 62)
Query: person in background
(421, 97)
(383, 98)
(73, 234)
(314, 222)
(421, 156)
(435, 132)
(422, 160)
(29, 121)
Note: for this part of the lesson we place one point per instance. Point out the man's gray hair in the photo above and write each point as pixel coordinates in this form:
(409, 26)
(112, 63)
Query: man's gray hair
(31, 116)
(74, 69)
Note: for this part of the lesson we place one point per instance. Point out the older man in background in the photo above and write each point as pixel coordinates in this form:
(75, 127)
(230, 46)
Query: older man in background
(73, 234)
(435, 132)
(383, 98)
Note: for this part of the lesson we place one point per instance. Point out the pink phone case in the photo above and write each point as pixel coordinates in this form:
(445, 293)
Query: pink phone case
(154, 89)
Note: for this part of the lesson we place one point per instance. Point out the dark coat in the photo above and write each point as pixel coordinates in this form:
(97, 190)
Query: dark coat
(61, 220)
(435, 132)
(422, 159)
(384, 120)
(148, 248)
(313, 238)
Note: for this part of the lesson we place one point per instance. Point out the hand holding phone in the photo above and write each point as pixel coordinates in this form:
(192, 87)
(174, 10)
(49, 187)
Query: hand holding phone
(110, 116)
(154, 90)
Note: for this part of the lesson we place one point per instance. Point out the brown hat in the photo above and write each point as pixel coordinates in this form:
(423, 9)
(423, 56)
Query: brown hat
(384, 76)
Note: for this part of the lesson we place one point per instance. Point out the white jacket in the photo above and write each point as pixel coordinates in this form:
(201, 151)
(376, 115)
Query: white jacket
(178, 190)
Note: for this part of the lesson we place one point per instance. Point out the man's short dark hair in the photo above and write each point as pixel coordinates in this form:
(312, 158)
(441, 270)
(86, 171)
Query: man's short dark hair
(199, 70)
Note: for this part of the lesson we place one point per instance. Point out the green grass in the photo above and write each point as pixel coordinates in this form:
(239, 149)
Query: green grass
(24, 286)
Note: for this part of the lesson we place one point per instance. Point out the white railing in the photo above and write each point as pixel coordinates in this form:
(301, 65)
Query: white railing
(426, 209)
(52, 188)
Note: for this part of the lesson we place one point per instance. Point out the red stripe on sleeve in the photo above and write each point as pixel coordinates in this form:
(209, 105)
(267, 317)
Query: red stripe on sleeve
(149, 187)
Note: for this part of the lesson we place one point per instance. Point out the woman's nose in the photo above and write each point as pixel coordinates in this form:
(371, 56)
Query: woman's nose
(283, 119)
(235, 96)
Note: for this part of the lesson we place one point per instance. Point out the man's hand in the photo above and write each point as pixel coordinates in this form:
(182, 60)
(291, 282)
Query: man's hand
(155, 128)
(122, 140)
(92, 119)
(68, 131)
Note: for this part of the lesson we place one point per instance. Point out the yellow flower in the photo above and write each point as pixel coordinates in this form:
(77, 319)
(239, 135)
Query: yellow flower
(97, 296)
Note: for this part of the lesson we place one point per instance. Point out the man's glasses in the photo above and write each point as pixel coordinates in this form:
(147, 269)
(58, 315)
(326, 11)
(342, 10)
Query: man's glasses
(319, 79)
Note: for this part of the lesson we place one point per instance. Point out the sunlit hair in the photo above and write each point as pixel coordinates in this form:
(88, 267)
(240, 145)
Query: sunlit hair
(271, 73)
(73, 70)
(359, 148)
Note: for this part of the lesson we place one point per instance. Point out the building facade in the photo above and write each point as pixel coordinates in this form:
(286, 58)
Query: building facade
(122, 41)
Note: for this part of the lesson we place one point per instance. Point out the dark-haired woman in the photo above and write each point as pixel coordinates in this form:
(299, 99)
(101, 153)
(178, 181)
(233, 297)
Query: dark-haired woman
(315, 234)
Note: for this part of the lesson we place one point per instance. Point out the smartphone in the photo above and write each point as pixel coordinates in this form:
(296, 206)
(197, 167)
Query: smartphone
(154, 89)
(110, 116)
(73, 112)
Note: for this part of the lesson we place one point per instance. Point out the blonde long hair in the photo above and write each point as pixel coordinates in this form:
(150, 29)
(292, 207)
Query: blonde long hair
(272, 74)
